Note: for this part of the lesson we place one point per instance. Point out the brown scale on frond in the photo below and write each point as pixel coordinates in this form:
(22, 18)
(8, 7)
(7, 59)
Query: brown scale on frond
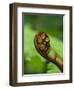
(42, 41)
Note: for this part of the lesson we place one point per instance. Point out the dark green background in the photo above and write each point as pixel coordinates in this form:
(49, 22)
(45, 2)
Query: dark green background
(34, 63)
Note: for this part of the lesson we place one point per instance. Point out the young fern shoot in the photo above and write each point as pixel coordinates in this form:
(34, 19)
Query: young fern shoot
(42, 45)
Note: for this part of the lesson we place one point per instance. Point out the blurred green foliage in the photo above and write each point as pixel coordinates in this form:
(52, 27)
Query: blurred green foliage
(34, 63)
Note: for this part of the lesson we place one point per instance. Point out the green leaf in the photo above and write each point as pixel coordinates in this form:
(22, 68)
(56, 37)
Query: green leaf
(52, 68)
